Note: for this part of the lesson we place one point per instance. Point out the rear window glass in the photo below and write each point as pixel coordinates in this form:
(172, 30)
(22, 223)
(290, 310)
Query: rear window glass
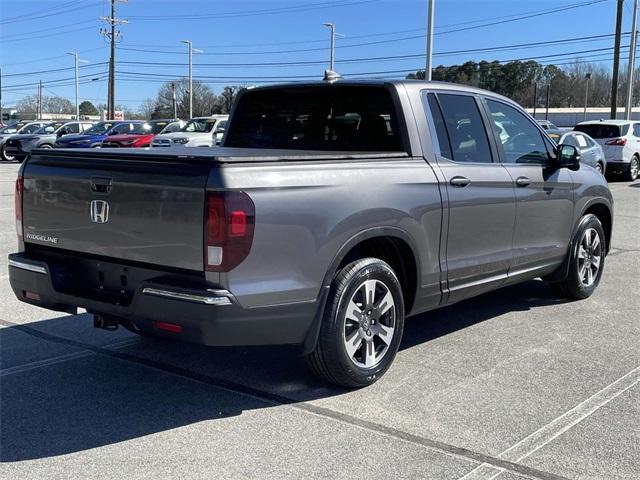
(326, 118)
(603, 130)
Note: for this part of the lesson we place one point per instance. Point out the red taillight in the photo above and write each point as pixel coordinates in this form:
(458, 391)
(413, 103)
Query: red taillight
(618, 142)
(18, 205)
(228, 233)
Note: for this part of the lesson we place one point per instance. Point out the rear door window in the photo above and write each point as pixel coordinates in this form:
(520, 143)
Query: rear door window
(326, 118)
(636, 129)
(459, 116)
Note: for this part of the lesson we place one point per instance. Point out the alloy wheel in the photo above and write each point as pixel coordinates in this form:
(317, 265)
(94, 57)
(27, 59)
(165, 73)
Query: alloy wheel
(369, 323)
(589, 257)
(633, 168)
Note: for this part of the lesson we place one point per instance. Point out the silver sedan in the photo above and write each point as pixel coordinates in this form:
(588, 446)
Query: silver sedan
(590, 152)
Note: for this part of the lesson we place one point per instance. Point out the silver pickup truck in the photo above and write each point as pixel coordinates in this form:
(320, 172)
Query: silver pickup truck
(330, 213)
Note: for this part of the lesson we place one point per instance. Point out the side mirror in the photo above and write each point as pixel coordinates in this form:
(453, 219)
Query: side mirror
(568, 156)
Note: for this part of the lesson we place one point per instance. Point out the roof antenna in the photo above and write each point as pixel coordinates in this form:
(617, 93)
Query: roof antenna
(330, 76)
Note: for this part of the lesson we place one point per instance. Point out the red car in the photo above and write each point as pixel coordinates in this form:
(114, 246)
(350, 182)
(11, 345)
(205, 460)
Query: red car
(140, 136)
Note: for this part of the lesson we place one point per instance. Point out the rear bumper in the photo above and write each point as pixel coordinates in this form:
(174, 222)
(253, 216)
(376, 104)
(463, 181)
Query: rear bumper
(617, 166)
(207, 314)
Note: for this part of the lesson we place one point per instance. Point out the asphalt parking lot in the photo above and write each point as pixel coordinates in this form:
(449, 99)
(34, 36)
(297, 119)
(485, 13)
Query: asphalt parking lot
(514, 384)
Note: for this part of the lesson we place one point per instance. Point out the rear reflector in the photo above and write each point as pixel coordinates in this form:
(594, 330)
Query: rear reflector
(32, 296)
(168, 327)
(228, 233)
(18, 205)
(618, 142)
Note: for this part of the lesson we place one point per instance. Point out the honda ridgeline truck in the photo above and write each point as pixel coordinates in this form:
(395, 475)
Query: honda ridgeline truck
(330, 213)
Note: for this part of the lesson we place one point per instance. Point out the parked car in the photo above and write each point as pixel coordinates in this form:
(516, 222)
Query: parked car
(20, 128)
(175, 126)
(620, 140)
(218, 134)
(46, 136)
(591, 153)
(140, 137)
(198, 132)
(93, 137)
(330, 213)
(552, 130)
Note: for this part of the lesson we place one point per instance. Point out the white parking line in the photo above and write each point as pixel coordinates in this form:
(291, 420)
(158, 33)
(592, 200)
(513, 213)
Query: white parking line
(63, 358)
(557, 427)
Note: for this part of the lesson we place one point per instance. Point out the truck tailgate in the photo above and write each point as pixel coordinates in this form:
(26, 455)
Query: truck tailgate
(134, 209)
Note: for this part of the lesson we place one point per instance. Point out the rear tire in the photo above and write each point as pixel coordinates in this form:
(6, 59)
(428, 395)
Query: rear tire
(586, 262)
(634, 166)
(361, 327)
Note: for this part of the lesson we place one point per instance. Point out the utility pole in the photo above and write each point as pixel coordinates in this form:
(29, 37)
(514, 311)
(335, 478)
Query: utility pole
(175, 102)
(535, 98)
(616, 61)
(1, 112)
(191, 50)
(113, 36)
(39, 112)
(430, 20)
(587, 77)
(546, 115)
(632, 63)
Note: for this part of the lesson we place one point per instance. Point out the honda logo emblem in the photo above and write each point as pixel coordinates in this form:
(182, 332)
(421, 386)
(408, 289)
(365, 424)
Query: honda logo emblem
(99, 211)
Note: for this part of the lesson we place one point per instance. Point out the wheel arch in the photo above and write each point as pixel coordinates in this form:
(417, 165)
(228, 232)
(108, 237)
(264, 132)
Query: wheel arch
(603, 212)
(391, 244)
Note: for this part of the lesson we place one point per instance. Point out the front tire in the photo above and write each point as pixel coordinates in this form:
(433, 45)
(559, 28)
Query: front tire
(634, 167)
(362, 325)
(5, 156)
(586, 262)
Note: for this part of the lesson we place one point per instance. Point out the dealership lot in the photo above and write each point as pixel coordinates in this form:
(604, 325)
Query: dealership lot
(513, 384)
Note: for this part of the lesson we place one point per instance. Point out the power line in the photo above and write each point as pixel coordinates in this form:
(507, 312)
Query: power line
(52, 14)
(63, 69)
(252, 13)
(390, 57)
(24, 35)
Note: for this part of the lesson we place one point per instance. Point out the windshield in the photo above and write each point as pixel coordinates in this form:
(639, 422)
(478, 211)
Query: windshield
(141, 129)
(602, 130)
(173, 127)
(199, 125)
(336, 118)
(49, 128)
(99, 128)
(31, 128)
(158, 126)
(12, 128)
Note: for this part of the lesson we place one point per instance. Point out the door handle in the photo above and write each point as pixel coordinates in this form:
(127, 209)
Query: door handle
(523, 182)
(459, 181)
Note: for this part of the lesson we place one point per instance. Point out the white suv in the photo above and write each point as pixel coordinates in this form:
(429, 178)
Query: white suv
(620, 140)
(198, 132)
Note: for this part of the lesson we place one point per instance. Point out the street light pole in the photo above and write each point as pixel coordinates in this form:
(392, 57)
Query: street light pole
(587, 77)
(191, 50)
(76, 60)
(332, 44)
(430, 19)
(632, 62)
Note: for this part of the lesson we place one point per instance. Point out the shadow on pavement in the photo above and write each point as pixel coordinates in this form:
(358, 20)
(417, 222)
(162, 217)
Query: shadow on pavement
(102, 399)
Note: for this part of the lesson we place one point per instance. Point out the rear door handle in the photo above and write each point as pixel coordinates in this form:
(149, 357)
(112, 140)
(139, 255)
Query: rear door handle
(523, 182)
(459, 181)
